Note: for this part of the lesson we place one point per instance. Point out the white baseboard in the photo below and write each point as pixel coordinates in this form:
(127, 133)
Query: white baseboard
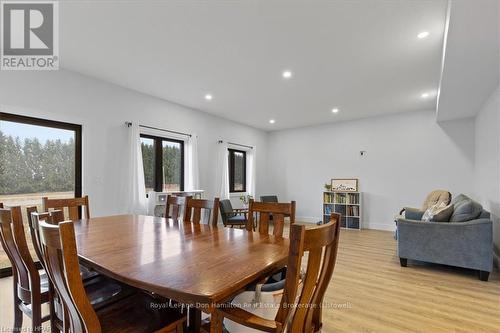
(308, 219)
(376, 226)
(380, 226)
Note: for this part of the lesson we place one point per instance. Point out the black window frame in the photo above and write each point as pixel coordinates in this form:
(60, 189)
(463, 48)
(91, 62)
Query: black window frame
(4, 272)
(158, 157)
(231, 152)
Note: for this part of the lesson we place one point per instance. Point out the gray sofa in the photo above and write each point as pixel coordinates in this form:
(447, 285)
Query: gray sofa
(462, 241)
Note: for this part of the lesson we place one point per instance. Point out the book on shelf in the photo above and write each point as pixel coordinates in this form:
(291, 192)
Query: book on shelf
(352, 210)
(340, 198)
(353, 198)
(348, 204)
(340, 209)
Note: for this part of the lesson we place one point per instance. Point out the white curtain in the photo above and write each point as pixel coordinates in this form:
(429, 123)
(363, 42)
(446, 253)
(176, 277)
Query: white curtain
(137, 189)
(192, 179)
(251, 166)
(222, 171)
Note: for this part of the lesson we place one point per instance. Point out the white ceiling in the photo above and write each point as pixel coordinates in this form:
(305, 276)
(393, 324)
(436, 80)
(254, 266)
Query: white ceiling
(360, 56)
(472, 58)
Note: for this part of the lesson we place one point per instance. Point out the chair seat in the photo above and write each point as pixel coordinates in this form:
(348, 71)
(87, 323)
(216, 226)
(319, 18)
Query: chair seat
(135, 315)
(237, 219)
(87, 274)
(102, 291)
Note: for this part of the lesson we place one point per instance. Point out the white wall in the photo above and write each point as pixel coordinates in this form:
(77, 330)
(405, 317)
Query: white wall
(487, 160)
(102, 109)
(408, 155)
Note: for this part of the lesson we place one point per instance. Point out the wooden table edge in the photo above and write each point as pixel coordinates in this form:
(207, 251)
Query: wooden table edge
(203, 301)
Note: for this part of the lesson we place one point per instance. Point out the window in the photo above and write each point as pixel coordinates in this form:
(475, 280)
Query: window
(163, 161)
(38, 158)
(237, 170)
(148, 161)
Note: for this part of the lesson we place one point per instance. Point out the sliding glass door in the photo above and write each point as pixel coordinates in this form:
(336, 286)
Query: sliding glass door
(38, 158)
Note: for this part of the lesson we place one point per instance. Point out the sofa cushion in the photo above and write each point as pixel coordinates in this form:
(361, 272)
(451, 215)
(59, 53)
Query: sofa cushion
(485, 215)
(443, 215)
(466, 210)
(459, 198)
(413, 213)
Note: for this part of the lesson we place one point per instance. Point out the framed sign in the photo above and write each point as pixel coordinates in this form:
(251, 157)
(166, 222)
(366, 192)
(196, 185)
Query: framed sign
(345, 185)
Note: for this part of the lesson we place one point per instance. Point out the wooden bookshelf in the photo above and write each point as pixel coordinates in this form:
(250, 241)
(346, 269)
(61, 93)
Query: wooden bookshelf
(348, 204)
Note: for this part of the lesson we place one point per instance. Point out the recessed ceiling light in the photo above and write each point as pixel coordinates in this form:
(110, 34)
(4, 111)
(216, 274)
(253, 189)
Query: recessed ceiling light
(287, 74)
(335, 110)
(208, 97)
(272, 121)
(423, 34)
(425, 95)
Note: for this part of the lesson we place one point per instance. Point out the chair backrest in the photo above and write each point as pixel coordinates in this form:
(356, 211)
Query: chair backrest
(61, 259)
(72, 204)
(321, 243)
(193, 210)
(265, 210)
(34, 218)
(34, 229)
(13, 240)
(269, 198)
(226, 209)
(173, 206)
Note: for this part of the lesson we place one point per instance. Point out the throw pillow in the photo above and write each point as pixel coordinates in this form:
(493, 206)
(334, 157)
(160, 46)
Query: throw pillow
(459, 198)
(466, 210)
(433, 210)
(443, 215)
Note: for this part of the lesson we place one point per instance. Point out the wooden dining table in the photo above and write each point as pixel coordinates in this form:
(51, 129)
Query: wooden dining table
(194, 264)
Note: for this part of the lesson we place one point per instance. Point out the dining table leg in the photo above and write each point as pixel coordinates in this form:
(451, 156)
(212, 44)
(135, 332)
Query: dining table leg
(215, 322)
(194, 320)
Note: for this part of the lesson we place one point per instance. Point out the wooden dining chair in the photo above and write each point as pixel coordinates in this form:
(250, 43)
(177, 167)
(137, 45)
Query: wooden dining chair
(132, 314)
(100, 289)
(54, 217)
(299, 312)
(174, 206)
(264, 211)
(34, 217)
(73, 205)
(194, 207)
(31, 289)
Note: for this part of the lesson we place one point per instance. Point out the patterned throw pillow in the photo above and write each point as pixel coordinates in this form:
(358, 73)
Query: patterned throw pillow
(438, 213)
(443, 215)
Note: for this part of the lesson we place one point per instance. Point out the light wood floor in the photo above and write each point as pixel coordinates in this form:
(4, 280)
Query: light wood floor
(372, 293)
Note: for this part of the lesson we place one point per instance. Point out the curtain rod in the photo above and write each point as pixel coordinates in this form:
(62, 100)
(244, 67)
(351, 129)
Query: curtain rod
(237, 144)
(128, 123)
